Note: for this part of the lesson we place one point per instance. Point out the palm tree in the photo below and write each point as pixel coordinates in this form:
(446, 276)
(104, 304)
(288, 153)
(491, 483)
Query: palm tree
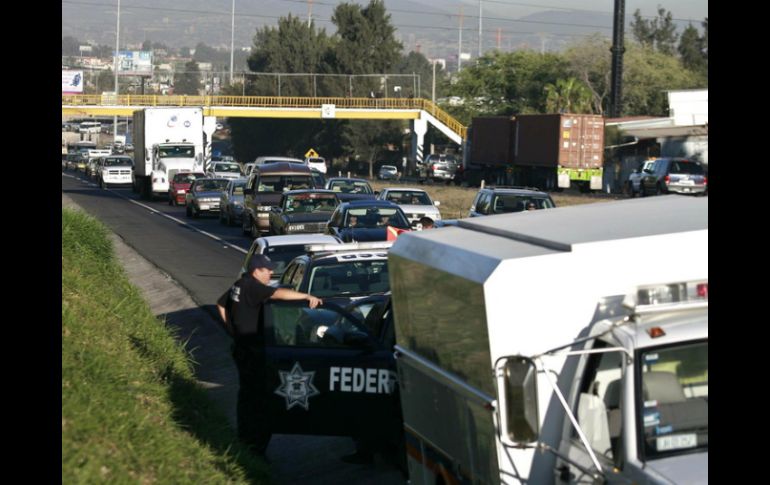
(568, 96)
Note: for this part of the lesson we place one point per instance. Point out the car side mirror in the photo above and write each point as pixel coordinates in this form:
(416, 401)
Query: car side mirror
(376, 193)
(437, 203)
(248, 191)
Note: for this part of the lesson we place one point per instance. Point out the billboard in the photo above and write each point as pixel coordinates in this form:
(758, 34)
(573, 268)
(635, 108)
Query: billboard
(72, 82)
(135, 63)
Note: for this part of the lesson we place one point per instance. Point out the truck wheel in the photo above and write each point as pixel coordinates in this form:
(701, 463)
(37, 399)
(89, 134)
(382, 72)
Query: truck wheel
(246, 225)
(195, 213)
(222, 217)
(658, 190)
(170, 200)
(188, 211)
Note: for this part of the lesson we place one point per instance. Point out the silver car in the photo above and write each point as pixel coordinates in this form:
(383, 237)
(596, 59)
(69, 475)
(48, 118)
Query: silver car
(440, 167)
(387, 172)
(231, 202)
(416, 203)
(227, 170)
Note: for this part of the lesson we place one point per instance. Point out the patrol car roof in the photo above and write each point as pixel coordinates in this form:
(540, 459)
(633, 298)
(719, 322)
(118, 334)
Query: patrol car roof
(295, 239)
(563, 227)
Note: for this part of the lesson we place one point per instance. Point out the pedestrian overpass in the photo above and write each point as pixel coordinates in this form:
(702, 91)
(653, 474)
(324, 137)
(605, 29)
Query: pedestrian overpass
(418, 111)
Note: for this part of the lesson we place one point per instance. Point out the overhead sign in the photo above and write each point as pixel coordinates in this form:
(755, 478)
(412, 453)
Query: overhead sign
(135, 63)
(72, 82)
(328, 111)
(311, 153)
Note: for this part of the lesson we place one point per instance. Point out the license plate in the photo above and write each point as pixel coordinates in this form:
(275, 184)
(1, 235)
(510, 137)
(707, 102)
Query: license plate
(676, 442)
(687, 182)
(204, 207)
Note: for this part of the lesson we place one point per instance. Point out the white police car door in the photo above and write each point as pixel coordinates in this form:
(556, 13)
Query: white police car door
(327, 373)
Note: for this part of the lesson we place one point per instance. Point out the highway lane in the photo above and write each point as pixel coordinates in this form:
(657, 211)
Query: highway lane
(205, 267)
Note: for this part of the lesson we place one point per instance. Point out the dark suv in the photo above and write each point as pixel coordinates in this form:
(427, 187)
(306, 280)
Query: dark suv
(674, 175)
(501, 200)
(264, 189)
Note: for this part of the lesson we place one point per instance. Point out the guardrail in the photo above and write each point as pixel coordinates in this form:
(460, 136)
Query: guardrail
(266, 102)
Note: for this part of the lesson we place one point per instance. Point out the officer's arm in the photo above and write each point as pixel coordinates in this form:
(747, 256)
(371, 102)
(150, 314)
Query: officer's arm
(288, 294)
(223, 315)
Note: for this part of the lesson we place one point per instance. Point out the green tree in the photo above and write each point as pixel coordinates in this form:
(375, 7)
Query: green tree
(292, 47)
(659, 32)
(189, 81)
(589, 60)
(567, 96)
(506, 83)
(647, 75)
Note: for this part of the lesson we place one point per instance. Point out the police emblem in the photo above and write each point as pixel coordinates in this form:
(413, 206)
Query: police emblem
(297, 387)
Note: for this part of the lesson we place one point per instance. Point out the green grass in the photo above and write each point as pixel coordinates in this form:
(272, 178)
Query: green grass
(131, 409)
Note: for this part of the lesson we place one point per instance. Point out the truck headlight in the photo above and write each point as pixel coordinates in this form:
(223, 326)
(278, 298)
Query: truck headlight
(264, 208)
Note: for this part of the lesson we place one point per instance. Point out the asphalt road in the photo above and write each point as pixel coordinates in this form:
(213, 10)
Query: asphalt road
(205, 266)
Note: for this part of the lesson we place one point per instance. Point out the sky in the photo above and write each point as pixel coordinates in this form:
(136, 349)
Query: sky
(186, 22)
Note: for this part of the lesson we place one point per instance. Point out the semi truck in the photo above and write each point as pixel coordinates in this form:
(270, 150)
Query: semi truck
(549, 151)
(167, 140)
(529, 352)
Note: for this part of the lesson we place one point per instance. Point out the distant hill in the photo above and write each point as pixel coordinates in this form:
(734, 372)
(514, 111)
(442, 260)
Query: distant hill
(428, 25)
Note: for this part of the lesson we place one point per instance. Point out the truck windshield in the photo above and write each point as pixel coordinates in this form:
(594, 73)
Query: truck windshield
(176, 152)
(674, 392)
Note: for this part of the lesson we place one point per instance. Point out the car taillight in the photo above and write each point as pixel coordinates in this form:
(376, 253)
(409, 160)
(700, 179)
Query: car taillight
(667, 179)
(705, 180)
(433, 167)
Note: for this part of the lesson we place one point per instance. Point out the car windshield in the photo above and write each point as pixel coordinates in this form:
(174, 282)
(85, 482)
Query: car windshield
(409, 198)
(282, 256)
(310, 203)
(388, 168)
(176, 152)
(674, 399)
(374, 217)
(357, 277)
(282, 183)
(184, 178)
(114, 162)
(687, 167)
(227, 167)
(347, 187)
(210, 185)
(238, 187)
(519, 203)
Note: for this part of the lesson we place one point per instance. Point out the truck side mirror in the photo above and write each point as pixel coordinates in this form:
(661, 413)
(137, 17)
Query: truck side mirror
(436, 203)
(519, 423)
(247, 191)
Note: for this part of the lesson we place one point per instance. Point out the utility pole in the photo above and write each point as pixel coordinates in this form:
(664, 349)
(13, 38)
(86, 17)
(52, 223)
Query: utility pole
(460, 42)
(309, 12)
(479, 28)
(616, 92)
(433, 90)
(499, 33)
(232, 41)
(117, 57)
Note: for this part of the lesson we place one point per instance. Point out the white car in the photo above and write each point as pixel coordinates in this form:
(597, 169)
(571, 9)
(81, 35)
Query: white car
(226, 170)
(318, 163)
(416, 203)
(283, 249)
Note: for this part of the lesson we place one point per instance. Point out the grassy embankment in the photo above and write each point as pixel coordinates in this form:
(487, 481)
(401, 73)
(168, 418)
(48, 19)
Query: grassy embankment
(131, 409)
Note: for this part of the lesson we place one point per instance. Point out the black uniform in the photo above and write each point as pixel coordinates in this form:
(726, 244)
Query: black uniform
(243, 302)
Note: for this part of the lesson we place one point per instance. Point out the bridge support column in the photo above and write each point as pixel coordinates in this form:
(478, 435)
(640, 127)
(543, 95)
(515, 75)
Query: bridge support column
(419, 127)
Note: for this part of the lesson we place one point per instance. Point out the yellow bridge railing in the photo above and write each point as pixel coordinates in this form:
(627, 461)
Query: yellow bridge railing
(267, 102)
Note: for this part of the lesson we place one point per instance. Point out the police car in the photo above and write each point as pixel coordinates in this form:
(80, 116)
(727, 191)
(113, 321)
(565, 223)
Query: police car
(340, 273)
(331, 370)
(283, 249)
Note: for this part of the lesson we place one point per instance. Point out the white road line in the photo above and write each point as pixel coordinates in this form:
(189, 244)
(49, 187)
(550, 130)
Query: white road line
(178, 221)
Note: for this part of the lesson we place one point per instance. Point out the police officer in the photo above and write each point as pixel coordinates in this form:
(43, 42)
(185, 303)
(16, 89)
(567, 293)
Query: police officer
(240, 307)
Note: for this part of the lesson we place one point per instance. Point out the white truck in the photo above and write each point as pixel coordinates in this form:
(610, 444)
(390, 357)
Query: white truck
(561, 346)
(168, 140)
